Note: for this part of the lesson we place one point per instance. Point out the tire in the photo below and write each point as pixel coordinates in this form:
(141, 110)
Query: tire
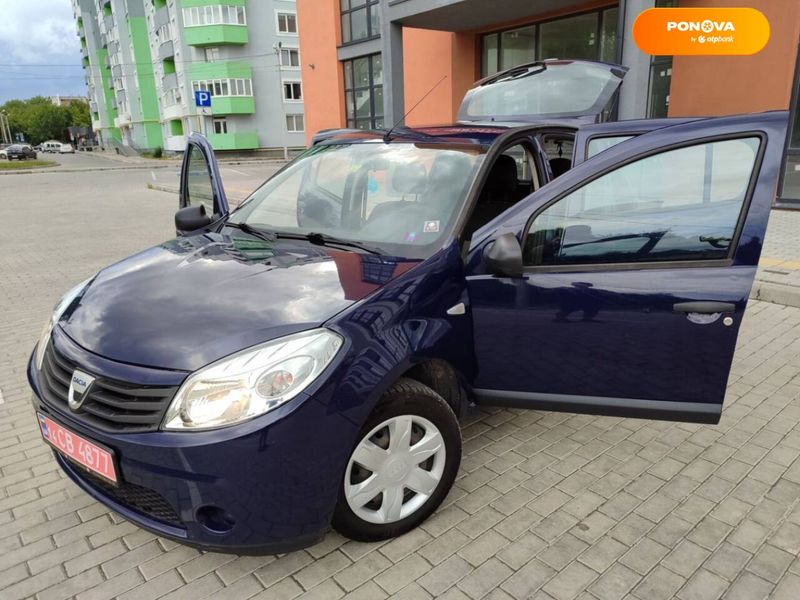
(362, 512)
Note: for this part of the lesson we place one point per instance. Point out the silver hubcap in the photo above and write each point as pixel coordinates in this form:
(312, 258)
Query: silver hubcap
(394, 469)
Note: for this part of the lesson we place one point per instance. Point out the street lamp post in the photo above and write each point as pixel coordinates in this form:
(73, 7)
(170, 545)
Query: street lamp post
(5, 128)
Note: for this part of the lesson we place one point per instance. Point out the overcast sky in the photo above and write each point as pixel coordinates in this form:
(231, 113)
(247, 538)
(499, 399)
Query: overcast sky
(39, 32)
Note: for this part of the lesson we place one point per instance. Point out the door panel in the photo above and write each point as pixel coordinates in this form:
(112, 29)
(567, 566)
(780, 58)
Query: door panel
(201, 183)
(609, 332)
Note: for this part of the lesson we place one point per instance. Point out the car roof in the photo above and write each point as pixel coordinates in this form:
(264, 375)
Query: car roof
(458, 133)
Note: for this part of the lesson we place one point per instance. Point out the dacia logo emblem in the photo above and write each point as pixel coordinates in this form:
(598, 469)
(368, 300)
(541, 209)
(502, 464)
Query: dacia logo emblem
(79, 387)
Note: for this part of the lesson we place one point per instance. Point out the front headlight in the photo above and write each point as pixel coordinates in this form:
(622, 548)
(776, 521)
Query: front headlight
(58, 310)
(252, 382)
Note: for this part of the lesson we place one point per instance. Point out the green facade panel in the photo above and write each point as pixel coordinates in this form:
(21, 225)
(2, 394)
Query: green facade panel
(215, 35)
(145, 75)
(233, 105)
(111, 113)
(233, 141)
(219, 70)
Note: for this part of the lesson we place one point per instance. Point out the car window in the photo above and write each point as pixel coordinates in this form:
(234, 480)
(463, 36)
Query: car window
(681, 204)
(598, 144)
(199, 189)
(402, 197)
(523, 161)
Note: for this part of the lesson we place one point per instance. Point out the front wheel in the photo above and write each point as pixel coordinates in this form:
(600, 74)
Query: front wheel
(403, 464)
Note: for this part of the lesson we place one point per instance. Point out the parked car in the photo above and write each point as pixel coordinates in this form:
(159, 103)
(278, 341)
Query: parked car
(20, 152)
(51, 146)
(3, 153)
(302, 362)
(66, 149)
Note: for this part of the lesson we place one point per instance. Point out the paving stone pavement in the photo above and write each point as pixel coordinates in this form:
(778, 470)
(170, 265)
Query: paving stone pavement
(547, 505)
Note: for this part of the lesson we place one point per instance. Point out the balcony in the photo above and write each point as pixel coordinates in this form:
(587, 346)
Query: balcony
(174, 111)
(160, 18)
(123, 120)
(116, 70)
(233, 141)
(233, 105)
(169, 81)
(215, 35)
(166, 50)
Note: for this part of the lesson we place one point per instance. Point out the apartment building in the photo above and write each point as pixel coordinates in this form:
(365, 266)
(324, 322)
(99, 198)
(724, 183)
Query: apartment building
(374, 59)
(145, 59)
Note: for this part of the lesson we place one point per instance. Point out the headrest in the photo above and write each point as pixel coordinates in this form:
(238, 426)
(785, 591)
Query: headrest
(450, 167)
(409, 178)
(503, 176)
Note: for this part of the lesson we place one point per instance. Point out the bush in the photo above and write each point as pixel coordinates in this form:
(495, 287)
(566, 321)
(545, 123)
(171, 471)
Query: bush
(158, 152)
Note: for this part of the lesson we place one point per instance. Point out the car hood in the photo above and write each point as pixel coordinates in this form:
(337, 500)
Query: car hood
(193, 300)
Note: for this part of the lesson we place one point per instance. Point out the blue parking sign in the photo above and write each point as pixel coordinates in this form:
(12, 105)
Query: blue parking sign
(202, 98)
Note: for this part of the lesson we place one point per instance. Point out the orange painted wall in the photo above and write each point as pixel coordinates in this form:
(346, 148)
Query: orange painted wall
(722, 85)
(323, 85)
(427, 57)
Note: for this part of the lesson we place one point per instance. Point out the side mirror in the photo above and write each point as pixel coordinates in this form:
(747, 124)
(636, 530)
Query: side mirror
(504, 256)
(191, 218)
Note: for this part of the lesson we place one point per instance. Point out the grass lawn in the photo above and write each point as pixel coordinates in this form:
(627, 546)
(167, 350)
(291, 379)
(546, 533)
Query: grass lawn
(13, 165)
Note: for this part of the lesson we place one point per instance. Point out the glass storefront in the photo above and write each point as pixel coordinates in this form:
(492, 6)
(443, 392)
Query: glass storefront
(589, 35)
(363, 92)
(660, 78)
(789, 195)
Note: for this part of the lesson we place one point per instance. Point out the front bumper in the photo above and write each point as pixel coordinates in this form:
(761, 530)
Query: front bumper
(269, 485)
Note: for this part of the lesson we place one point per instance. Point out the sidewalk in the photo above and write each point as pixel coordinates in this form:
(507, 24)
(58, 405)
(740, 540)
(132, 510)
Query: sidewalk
(778, 278)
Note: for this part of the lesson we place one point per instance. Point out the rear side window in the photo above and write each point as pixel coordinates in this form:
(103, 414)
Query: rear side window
(681, 204)
(598, 144)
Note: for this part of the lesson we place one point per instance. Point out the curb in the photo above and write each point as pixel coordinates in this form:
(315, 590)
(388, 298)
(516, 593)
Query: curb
(162, 188)
(776, 293)
(88, 170)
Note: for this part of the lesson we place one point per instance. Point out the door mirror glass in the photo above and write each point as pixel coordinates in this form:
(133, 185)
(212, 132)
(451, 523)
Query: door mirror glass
(504, 256)
(199, 187)
(680, 204)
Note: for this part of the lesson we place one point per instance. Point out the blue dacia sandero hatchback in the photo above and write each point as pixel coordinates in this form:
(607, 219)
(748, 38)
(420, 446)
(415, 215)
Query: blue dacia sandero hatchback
(302, 362)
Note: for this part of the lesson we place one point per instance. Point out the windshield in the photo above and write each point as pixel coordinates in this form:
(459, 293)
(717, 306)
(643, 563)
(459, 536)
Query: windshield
(553, 90)
(402, 198)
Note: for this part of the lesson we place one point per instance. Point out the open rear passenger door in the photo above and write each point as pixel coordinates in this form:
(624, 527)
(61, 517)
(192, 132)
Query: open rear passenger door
(619, 288)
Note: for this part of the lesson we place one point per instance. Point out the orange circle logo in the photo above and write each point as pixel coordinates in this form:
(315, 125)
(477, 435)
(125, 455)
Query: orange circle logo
(675, 31)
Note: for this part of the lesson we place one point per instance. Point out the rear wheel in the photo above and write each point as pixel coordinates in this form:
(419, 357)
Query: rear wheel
(403, 464)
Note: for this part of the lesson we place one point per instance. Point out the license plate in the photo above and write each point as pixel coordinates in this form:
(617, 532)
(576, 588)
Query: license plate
(78, 449)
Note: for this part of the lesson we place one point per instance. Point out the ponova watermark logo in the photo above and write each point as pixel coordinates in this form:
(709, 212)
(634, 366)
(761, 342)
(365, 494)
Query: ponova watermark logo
(706, 26)
(678, 31)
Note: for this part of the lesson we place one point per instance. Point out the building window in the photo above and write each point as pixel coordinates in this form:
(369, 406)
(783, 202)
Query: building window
(660, 78)
(217, 14)
(290, 57)
(363, 92)
(287, 23)
(164, 33)
(658, 88)
(220, 125)
(589, 36)
(361, 20)
(295, 123)
(212, 54)
(224, 87)
(292, 91)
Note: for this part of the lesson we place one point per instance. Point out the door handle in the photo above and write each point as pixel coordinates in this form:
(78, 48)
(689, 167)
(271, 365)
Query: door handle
(704, 307)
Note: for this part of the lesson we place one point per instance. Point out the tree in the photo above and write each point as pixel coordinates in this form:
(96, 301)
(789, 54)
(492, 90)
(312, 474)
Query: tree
(40, 120)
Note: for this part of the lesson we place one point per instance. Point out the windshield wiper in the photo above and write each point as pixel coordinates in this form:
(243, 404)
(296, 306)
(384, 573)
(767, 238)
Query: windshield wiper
(319, 239)
(262, 234)
(323, 239)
